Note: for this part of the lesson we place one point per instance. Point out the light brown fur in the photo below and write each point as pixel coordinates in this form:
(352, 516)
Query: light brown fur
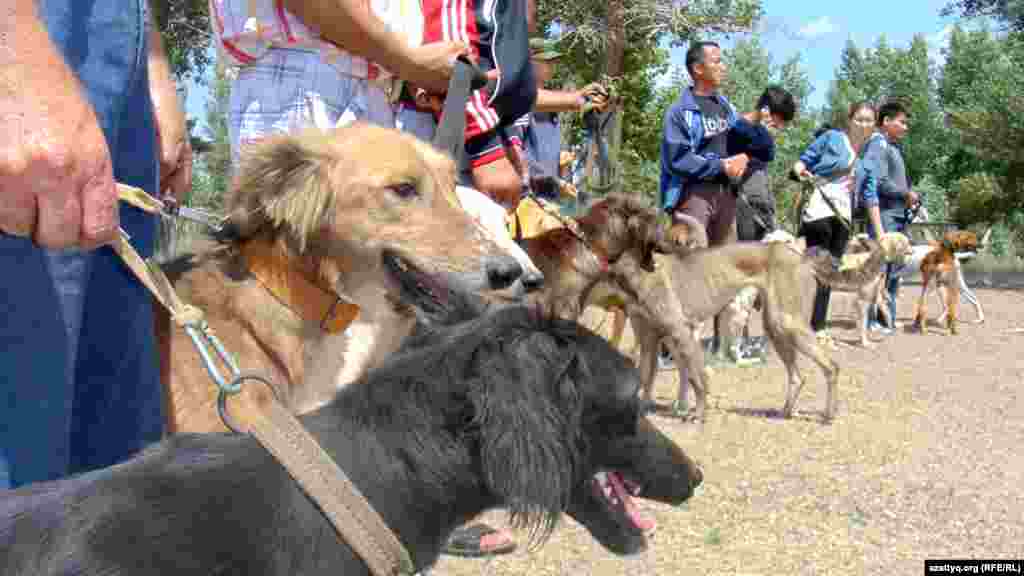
(941, 266)
(695, 285)
(334, 204)
(866, 279)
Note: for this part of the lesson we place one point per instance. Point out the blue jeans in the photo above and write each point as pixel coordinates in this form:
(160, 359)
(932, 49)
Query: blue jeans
(891, 222)
(79, 374)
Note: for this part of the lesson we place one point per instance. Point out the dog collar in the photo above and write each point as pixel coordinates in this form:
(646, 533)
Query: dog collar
(311, 301)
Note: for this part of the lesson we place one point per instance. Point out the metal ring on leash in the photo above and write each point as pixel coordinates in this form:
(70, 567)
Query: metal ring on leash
(236, 385)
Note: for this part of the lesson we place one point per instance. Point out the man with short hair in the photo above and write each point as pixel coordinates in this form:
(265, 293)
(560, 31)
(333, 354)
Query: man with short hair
(887, 210)
(696, 172)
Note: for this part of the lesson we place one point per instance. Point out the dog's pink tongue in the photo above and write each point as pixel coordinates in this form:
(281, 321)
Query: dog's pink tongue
(614, 490)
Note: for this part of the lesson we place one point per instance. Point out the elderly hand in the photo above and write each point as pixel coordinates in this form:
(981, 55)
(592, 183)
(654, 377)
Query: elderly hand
(56, 178)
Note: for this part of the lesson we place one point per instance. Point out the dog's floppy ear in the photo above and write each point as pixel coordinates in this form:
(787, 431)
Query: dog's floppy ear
(283, 185)
(528, 413)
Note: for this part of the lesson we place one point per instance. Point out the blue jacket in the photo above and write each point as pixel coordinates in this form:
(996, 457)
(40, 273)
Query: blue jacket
(683, 158)
(883, 162)
(829, 154)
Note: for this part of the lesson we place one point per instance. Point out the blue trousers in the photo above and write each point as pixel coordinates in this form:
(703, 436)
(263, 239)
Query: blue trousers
(79, 376)
(891, 222)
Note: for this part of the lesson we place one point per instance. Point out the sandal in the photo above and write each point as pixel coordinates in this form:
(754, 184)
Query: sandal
(478, 541)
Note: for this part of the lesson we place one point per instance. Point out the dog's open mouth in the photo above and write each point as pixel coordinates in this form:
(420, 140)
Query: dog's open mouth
(615, 491)
(431, 297)
(417, 287)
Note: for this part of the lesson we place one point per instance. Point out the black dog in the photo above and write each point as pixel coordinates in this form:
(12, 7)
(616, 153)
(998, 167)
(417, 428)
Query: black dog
(507, 410)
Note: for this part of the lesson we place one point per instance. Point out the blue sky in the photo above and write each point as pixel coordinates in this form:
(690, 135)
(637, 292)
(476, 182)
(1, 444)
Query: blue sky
(816, 30)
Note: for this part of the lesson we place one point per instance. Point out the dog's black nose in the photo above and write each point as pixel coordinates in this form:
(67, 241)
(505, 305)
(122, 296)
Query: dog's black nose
(532, 281)
(502, 272)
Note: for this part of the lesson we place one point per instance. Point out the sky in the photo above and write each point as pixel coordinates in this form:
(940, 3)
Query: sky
(818, 31)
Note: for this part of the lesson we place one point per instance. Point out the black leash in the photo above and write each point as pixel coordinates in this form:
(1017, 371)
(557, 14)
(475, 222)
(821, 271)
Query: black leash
(451, 130)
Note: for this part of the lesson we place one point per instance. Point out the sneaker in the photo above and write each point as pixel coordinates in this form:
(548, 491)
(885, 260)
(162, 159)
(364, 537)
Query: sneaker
(878, 328)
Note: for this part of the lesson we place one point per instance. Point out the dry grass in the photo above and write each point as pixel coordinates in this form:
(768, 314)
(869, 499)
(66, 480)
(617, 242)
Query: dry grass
(923, 461)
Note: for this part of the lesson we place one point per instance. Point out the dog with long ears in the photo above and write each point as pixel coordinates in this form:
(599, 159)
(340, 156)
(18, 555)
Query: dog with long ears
(942, 267)
(507, 410)
(319, 222)
(575, 256)
(862, 273)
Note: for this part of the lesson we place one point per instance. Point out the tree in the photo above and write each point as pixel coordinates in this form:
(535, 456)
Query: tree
(627, 41)
(185, 27)
(1010, 13)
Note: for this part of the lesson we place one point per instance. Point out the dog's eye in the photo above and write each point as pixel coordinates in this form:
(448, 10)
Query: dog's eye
(405, 190)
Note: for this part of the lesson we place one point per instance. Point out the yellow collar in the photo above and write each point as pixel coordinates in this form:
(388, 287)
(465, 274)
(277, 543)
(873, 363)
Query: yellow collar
(312, 302)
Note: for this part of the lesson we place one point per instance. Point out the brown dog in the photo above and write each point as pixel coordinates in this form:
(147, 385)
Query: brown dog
(319, 221)
(942, 267)
(576, 257)
(695, 284)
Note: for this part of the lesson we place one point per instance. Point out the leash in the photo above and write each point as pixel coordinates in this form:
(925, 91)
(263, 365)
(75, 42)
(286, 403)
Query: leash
(273, 425)
(451, 130)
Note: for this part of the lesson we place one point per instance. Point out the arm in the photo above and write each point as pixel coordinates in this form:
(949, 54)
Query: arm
(56, 179)
(810, 157)
(753, 139)
(350, 25)
(570, 100)
(869, 188)
(678, 150)
(887, 187)
(173, 145)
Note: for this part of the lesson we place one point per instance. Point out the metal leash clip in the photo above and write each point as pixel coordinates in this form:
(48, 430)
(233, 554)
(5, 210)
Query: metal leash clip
(173, 209)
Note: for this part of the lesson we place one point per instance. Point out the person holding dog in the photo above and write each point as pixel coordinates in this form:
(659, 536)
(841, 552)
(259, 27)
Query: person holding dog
(87, 99)
(887, 209)
(345, 59)
(833, 158)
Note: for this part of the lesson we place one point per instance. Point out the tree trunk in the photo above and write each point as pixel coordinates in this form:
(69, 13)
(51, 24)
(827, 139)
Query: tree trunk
(614, 65)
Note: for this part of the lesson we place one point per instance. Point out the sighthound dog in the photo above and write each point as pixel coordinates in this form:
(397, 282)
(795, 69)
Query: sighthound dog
(862, 273)
(695, 284)
(508, 410)
(361, 213)
(942, 267)
(913, 266)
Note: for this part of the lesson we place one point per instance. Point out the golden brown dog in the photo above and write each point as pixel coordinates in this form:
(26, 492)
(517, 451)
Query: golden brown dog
(574, 258)
(319, 221)
(863, 273)
(942, 267)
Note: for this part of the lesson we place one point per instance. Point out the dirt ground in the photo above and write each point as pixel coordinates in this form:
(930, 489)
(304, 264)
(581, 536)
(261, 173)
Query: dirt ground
(924, 460)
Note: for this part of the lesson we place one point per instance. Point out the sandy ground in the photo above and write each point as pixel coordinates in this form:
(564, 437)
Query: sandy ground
(923, 461)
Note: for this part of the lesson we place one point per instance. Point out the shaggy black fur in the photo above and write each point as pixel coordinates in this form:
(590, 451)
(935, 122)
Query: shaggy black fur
(507, 410)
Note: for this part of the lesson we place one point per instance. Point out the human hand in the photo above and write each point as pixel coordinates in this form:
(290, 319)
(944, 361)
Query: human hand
(56, 178)
(430, 66)
(912, 198)
(735, 166)
(594, 94)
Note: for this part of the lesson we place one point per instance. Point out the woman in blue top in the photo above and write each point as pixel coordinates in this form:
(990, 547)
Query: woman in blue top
(832, 159)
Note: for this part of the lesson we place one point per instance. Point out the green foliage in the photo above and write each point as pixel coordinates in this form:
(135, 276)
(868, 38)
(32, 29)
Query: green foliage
(185, 28)
(1009, 13)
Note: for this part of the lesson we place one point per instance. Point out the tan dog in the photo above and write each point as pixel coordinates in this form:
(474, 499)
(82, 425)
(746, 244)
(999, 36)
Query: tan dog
(862, 273)
(574, 259)
(694, 285)
(360, 215)
(942, 267)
